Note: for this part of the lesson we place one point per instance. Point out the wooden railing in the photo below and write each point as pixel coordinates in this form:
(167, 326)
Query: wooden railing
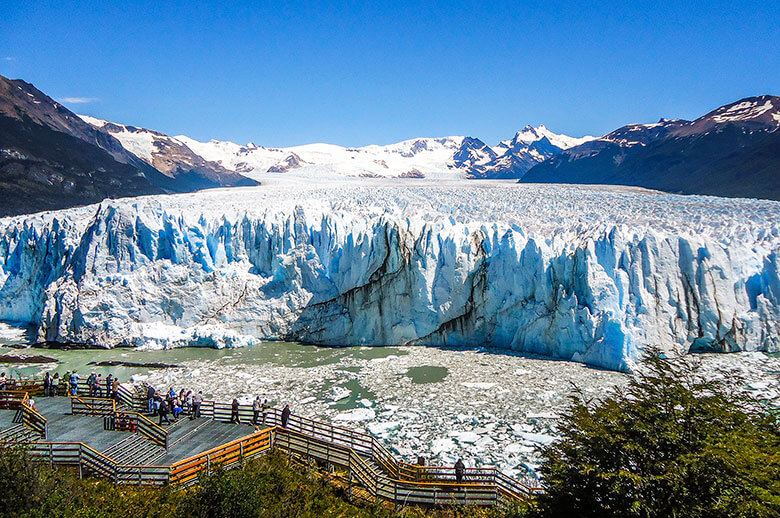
(33, 420)
(88, 405)
(92, 461)
(365, 457)
(226, 456)
(477, 488)
(148, 428)
(12, 399)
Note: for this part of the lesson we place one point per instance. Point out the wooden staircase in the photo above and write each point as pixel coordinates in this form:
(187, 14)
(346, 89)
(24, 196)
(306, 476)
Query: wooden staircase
(134, 449)
(19, 433)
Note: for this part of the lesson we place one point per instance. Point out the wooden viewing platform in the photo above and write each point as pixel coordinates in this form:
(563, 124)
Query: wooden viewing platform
(114, 439)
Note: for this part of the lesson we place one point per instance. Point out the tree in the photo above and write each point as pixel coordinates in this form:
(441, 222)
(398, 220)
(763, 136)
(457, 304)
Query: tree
(671, 443)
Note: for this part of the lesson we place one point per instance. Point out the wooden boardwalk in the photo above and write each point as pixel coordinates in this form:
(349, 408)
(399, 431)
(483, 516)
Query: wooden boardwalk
(114, 439)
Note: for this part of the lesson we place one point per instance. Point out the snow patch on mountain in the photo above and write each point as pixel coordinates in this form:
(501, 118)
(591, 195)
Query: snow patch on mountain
(742, 111)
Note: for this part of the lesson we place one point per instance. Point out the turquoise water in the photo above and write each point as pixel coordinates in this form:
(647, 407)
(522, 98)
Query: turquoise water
(288, 354)
(427, 374)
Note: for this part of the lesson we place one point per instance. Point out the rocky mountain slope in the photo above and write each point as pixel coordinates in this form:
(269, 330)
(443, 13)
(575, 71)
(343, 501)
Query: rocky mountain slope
(169, 156)
(731, 151)
(50, 158)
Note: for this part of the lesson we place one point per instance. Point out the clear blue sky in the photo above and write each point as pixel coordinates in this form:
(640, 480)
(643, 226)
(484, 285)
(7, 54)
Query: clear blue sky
(377, 72)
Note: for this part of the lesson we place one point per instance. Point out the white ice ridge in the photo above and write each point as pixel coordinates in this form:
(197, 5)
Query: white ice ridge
(588, 274)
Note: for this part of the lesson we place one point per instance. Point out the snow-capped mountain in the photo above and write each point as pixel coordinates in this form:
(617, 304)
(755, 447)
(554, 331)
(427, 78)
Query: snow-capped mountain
(446, 157)
(731, 151)
(169, 156)
(51, 158)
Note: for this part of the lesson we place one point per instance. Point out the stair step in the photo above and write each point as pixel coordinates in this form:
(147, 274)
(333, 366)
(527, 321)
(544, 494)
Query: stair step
(134, 450)
(18, 433)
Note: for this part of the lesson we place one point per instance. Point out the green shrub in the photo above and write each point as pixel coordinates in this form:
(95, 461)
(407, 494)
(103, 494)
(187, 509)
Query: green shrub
(671, 444)
(270, 486)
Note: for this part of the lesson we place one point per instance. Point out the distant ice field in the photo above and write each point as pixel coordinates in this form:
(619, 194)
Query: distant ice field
(542, 208)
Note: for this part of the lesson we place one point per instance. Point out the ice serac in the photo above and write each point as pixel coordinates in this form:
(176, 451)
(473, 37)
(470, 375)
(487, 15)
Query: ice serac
(288, 265)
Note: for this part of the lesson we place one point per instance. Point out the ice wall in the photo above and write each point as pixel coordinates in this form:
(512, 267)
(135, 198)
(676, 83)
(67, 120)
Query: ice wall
(139, 274)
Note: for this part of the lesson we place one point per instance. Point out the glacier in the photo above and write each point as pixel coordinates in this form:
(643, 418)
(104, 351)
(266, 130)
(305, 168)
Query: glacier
(592, 274)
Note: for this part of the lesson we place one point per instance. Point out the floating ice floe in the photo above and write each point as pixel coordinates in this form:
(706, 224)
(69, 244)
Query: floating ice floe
(383, 428)
(357, 414)
(339, 393)
(479, 385)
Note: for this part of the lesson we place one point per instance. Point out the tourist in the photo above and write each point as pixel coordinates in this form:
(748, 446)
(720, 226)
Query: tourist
(109, 384)
(74, 382)
(98, 384)
(171, 394)
(188, 402)
(234, 413)
(31, 404)
(460, 469)
(3, 381)
(265, 409)
(65, 382)
(91, 384)
(197, 399)
(55, 384)
(114, 388)
(285, 415)
(177, 409)
(156, 404)
(149, 398)
(256, 407)
(46, 385)
(164, 412)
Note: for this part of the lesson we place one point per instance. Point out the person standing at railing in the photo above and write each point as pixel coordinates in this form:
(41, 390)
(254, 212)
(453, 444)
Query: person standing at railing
(150, 398)
(164, 412)
(46, 385)
(286, 415)
(197, 400)
(98, 384)
(188, 402)
(256, 407)
(55, 384)
(74, 382)
(3, 381)
(265, 410)
(115, 388)
(234, 412)
(109, 384)
(91, 383)
(460, 470)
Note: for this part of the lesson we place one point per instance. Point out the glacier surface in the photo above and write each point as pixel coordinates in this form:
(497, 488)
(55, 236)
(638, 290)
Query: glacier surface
(592, 274)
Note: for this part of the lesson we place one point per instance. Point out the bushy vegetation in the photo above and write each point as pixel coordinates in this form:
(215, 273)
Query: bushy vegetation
(271, 486)
(671, 444)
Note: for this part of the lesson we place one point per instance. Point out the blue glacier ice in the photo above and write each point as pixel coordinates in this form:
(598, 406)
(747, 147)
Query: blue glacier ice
(590, 275)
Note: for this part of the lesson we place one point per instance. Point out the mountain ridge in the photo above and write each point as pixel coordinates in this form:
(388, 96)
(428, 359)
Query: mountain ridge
(50, 158)
(733, 151)
(437, 157)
